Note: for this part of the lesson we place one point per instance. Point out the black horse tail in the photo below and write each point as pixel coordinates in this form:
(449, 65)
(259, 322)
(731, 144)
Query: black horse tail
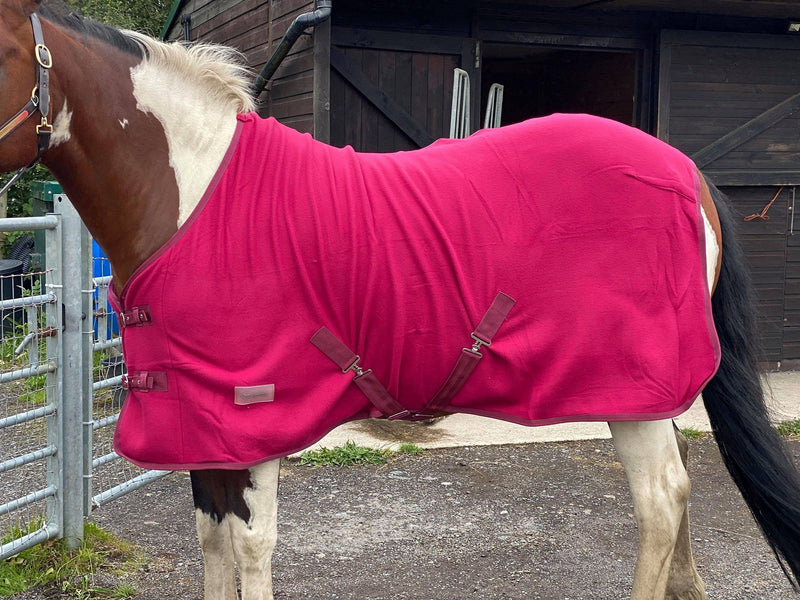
(755, 455)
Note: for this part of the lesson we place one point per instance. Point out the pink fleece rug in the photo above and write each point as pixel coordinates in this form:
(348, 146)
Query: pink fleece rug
(593, 228)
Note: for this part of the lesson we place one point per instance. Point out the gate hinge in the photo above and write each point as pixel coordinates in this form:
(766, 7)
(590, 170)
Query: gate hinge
(477, 54)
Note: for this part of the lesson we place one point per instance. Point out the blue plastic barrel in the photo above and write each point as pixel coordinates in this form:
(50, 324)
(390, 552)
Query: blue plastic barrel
(101, 268)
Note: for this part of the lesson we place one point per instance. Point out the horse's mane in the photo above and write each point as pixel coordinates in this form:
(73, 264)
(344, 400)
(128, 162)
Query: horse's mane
(220, 68)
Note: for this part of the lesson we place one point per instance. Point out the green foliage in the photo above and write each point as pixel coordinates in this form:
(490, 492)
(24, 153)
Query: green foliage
(692, 434)
(71, 571)
(352, 455)
(344, 456)
(408, 448)
(19, 195)
(147, 16)
(789, 428)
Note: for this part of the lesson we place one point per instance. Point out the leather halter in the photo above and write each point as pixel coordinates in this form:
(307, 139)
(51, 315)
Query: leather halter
(39, 100)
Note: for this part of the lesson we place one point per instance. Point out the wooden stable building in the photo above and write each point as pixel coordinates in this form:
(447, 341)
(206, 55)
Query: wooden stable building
(719, 79)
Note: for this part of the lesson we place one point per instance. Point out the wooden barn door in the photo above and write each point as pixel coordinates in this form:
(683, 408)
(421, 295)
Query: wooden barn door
(393, 91)
(732, 103)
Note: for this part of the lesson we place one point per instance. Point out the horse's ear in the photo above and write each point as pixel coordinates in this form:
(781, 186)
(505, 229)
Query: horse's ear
(19, 8)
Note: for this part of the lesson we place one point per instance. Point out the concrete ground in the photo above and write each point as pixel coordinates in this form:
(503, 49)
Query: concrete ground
(515, 522)
(488, 515)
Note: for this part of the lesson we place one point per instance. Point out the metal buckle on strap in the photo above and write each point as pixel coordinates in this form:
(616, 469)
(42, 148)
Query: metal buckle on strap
(356, 369)
(408, 415)
(44, 126)
(43, 56)
(136, 316)
(145, 381)
(477, 345)
(141, 381)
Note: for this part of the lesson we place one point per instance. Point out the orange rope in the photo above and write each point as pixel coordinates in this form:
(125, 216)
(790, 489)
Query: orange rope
(763, 214)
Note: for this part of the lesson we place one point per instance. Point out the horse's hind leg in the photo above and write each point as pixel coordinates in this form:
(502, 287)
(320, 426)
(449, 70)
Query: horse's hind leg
(660, 490)
(254, 535)
(684, 580)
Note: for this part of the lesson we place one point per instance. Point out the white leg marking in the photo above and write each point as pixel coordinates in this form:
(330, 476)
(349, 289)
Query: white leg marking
(61, 123)
(712, 250)
(215, 542)
(660, 489)
(199, 129)
(254, 542)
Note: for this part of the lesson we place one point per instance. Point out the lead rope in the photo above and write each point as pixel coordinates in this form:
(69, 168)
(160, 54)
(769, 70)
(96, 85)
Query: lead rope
(763, 216)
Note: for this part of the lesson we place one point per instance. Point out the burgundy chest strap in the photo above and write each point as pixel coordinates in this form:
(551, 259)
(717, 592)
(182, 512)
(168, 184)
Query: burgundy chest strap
(145, 381)
(136, 316)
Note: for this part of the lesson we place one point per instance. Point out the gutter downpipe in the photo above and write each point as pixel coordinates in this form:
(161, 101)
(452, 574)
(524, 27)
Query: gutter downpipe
(298, 26)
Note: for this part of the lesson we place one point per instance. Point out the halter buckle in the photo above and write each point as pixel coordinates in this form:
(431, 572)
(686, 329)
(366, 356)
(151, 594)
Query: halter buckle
(43, 56)
(44, 126)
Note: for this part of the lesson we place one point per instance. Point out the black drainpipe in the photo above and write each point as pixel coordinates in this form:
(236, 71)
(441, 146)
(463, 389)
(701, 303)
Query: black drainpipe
(298, 26)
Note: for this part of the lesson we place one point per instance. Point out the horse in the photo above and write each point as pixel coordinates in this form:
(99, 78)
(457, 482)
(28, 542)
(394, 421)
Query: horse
(135, 131)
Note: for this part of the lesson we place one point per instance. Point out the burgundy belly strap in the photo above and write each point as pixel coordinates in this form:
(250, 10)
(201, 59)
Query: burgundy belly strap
(376, 392)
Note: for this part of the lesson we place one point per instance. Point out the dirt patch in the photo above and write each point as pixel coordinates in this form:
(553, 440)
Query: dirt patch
(549, 521)
(402, 431)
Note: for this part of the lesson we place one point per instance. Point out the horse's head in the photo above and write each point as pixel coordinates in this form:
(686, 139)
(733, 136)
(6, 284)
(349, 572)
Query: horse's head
(19, 94)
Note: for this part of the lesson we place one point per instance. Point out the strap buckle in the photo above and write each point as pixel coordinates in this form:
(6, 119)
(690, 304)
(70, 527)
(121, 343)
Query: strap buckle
(136, 316)
(477, 344)
(409, 415)
(43, 56)
(145, 381)
(357, 370)
(44, 126)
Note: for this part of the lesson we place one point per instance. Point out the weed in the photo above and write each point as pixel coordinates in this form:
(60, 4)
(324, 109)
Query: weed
(344, 456)
(692, 434)
(789, 428)
(73, 571)
(351, 455)
(408, 448)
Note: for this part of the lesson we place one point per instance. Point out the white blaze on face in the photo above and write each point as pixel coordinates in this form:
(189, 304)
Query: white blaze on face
(61, 125)
(198, 128)
(712, 250)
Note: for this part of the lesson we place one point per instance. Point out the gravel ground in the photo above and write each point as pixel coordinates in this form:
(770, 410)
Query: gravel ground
(550, 521)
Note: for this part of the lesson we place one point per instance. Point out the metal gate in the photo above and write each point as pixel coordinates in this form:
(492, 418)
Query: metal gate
(60, 394)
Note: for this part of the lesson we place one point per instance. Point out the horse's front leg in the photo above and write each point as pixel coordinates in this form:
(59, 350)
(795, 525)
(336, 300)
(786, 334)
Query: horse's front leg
(210, 490)
(660, 490)
(254, 532)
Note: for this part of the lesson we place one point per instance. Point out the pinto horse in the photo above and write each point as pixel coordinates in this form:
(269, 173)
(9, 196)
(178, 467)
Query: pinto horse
(141, 134)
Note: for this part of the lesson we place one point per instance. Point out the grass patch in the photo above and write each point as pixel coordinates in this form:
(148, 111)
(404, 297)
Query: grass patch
(344, 456)
(692, 434)
(408, 448)
(789, 428)
(351, 455)
(73, 572)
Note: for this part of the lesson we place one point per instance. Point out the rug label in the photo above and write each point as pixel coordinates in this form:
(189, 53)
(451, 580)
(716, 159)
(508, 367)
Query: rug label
(245, 395)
